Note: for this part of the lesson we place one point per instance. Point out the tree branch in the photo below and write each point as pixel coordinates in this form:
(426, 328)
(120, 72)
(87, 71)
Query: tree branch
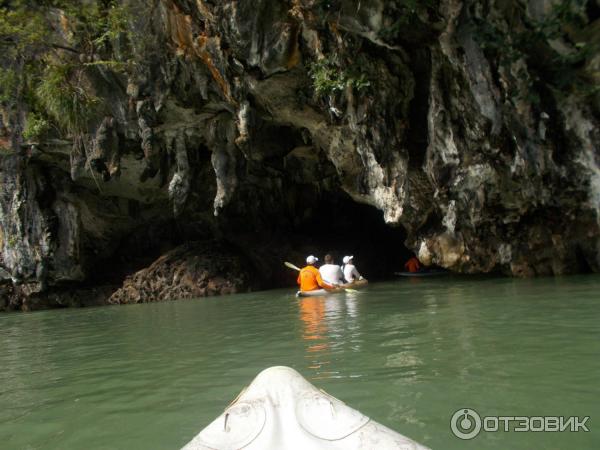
(62, 47)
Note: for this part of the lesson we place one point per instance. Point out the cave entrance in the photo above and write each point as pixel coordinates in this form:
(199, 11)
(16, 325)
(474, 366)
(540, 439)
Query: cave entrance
(341, 226)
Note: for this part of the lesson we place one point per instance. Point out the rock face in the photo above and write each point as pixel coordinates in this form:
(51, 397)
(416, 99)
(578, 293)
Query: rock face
(470, 126)
(189, 271)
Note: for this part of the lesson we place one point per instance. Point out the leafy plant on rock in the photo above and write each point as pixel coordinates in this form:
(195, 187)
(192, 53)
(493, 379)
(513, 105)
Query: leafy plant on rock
(329, 76)
(35, 126)
(63, 95)
(50, 48)
(561, 68)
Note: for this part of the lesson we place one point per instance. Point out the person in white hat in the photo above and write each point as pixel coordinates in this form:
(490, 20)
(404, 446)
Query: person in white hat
(350, 273)
(309, 277)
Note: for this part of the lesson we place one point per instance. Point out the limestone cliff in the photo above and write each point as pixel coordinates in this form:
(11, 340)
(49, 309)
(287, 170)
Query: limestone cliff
(472, 126)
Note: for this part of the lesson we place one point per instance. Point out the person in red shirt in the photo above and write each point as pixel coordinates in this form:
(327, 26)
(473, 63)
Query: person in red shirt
(413, 265)
(309, 277)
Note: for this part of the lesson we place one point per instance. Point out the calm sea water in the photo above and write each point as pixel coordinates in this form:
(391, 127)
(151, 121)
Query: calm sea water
(407, 353)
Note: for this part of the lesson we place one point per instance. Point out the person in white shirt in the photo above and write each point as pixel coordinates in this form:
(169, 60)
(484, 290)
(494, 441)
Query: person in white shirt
(331, 273)
(350, 273)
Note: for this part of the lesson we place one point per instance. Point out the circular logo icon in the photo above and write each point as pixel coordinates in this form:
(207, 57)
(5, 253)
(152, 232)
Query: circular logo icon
(465, 423)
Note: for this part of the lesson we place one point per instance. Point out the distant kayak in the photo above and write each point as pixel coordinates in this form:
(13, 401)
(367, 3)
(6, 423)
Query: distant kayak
(281, 410)
(428, 273)
(321, 292)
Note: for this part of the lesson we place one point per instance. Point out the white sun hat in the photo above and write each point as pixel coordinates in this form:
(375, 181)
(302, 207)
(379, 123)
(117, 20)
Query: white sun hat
(311, 259)
(347, 259)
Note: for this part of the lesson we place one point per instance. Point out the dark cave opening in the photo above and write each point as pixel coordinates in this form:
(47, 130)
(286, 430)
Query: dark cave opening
(134, 251)
(360, 230)
(340, 226)
(277, 215)
(581, 260)
(336, 225)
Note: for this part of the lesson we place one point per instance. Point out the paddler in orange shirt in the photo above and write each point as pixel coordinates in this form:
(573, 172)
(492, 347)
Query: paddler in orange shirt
(309, 277)
(412, 265)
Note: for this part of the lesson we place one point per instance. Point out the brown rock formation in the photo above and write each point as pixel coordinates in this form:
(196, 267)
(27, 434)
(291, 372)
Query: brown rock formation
(190, 271)
(468, 125)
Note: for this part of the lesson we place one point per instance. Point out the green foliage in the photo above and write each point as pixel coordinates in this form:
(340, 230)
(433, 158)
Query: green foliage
(22, 27)
(29, 27)
(65, 99)
(560, 70)
(564, 13)
(35, 127)
(49, 76)
(115, 24)
(96, 24)
(117, 66)
(12, 241)
(328, 77)
(8, 85)
(494, 40)
(401, 13)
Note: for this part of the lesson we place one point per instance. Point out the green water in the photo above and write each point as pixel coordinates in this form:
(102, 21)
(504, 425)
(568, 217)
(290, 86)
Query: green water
(408, 354)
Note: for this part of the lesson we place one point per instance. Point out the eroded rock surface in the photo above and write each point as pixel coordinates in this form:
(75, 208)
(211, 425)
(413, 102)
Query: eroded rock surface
(190, 271)
(475, 137)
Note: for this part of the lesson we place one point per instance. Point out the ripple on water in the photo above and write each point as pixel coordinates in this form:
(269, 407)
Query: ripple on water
(407, 354)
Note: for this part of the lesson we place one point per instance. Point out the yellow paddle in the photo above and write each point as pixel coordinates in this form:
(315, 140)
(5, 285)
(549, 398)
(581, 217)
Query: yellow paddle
(294, 267)
(291, 266)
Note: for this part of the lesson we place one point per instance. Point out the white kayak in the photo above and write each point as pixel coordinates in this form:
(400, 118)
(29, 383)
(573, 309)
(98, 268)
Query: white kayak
(281, 410)
(320, 292)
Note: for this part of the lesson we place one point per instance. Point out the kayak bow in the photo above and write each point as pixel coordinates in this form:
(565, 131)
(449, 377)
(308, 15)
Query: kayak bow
(281, 410)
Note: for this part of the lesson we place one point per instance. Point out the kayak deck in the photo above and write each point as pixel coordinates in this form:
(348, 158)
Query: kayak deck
(320, 292)
(356, 284)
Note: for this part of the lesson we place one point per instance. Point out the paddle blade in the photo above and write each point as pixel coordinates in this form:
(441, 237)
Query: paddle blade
(291, 266)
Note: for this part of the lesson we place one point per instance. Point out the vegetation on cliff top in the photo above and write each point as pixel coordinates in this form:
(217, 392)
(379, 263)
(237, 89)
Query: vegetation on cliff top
(51, 48)
(560, 64)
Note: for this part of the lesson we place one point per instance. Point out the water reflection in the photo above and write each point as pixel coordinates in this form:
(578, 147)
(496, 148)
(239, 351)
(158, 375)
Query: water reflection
(314, 331)
(330, 330)
(407, 354)
(352, 305)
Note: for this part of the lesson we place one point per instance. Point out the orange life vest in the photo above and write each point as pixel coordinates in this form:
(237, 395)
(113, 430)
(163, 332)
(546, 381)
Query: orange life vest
(310, 279)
